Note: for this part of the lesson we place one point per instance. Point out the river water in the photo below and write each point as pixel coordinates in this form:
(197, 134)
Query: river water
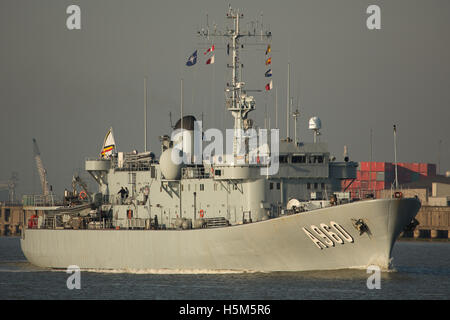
(421, 271)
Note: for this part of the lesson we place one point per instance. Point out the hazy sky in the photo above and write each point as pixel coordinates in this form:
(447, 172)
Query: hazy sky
(67, 87)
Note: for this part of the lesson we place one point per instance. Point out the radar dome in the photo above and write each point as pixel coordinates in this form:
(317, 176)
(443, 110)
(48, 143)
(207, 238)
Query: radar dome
(293, 203)
(169, 169)
(315, 123)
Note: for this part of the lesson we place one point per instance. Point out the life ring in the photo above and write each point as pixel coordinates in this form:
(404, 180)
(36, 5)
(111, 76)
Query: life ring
(83, 195)
(398, 195)
(130, 213)
(201, 213)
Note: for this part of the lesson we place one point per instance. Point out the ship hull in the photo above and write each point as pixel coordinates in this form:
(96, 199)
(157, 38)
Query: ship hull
(280, 244)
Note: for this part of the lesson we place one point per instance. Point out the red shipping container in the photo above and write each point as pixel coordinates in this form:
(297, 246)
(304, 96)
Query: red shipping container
(415, 167)
(380, 185)
(373, 166)
(364, 175)
(373, 176)
(423, 167)
(358, 175)
(364, 166)
(379, 166)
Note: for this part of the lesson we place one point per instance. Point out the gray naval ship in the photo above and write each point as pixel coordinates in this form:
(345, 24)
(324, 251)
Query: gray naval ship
(269, 208)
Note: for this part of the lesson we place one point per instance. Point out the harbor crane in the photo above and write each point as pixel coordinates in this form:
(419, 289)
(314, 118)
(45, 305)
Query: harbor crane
(10, 185)
(41, 170)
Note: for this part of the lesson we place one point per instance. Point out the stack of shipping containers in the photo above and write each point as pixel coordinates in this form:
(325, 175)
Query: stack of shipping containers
(375, 176)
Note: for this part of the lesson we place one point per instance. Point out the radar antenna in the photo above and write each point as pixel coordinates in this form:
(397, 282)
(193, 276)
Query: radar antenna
(315, 125)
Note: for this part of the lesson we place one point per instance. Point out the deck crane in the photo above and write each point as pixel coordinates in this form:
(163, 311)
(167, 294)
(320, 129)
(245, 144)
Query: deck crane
(76, 180)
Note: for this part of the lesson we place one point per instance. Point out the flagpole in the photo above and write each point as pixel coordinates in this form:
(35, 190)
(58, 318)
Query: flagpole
(265, 102)
(145, 114)
(181, 113)
(288, 101)
(395, 156)
(181, 119)
(276, 107)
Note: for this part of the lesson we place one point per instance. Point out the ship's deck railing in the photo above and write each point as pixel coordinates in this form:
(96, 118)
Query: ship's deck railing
(41, 200)
(195, 173)
(10, 203)
(132, 165)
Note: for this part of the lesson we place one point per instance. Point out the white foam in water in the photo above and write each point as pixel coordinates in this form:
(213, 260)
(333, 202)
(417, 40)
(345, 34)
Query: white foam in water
(170, 271)
(380, 263)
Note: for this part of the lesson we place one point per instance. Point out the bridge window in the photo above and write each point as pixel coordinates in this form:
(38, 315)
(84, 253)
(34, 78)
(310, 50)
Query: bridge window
(271, 186)
(315, 159)
(278, 186)
(218, 172)
(7, 213)
(202, 187)
(315, 185)
(298, 159)
(308, 185)
(283, 159)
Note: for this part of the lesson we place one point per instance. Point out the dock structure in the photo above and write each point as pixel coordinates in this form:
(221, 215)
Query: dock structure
(12, 216)
(434, 215)
(434, 222)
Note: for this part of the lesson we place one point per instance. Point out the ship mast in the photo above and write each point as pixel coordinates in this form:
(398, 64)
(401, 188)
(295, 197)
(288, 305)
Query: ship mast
(237, 101)
(237, 104)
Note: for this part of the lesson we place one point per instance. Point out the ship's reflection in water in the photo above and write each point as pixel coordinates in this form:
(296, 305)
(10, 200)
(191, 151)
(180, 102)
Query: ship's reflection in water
(421, 271)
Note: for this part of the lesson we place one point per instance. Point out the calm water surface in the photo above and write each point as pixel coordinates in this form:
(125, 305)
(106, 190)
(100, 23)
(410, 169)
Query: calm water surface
(422, 271)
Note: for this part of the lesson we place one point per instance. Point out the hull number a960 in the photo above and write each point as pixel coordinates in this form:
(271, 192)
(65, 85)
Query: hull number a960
(324, 236)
